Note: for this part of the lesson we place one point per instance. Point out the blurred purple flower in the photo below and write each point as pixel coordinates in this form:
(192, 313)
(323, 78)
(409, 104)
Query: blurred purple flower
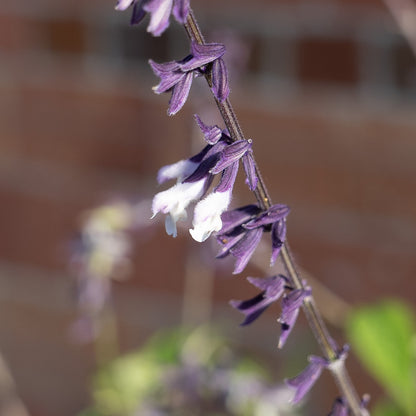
(176, 76)
(304, 381)
(160, 11)
(339, 408)
(272, 288)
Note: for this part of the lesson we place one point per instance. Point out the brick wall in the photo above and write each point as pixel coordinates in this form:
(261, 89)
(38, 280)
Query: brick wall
(328, 97)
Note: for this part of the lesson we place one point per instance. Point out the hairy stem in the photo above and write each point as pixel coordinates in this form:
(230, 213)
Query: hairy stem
(319, 329)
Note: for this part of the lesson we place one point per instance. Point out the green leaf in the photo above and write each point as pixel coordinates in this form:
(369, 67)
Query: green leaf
(381, 336)
(386, 409)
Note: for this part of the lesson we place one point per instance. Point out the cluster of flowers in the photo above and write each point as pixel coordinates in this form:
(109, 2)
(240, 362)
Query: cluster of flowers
(240, 230)
(100, 254)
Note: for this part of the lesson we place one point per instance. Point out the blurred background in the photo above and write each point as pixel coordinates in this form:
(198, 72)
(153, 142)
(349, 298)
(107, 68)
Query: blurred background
(327, 91)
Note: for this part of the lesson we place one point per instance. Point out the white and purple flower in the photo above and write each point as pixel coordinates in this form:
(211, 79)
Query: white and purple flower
(160, 11)
(194, 176)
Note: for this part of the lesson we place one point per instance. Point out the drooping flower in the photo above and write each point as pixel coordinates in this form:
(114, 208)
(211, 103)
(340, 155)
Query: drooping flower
(243, 229)
(339, 408)
(304, 381)
(194, 177)
(272, 289)
(160, 11)
(291, 304)
(207, 215)
(177, 76)
(175, 200)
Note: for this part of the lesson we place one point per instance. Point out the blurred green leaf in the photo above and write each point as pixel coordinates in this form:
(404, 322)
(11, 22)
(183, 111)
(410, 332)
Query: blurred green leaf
(382, 336)
(386, 409)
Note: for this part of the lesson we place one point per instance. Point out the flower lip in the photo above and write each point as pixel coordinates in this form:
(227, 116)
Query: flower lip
(207, 215)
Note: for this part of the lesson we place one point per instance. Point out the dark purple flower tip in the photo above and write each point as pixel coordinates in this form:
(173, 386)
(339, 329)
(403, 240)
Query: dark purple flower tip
(250, 169)
(206, 164)
(236, 217)
(231, 154)
(273, 214)
(272, 288)
(138, 13)
(244, 249)
(180, 10)
(291, 304)
(303, 382)
(211, 133)
(228, 177)
(180, 94)
(203, 54)
(339, 408)
(278, 239)
(220, 86)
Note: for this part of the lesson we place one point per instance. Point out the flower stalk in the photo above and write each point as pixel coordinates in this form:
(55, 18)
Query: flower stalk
(318, 327)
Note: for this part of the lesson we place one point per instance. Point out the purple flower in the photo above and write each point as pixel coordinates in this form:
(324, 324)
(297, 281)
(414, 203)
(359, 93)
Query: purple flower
(176, 76)
(291, 304)
(243, 228)
(160, 11)
(211, 133)
(272, 288)
(303, 382)
(339, 408)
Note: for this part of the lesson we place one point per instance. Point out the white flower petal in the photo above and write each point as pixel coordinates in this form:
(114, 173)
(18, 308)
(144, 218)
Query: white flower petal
(123, 4)
(179, 170)
(207, 215)
(175, 200)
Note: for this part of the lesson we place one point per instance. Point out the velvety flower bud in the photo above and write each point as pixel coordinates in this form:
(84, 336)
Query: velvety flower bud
(177, 76)
(211, 133)
(202, 54)
(273, 214)
(180, 94)
(278, 238)
(228, 177)
(250, 170)
(232, 153)
(219, 74)
(272, 288)
(240, 245)
(291, 304)
(303, 382)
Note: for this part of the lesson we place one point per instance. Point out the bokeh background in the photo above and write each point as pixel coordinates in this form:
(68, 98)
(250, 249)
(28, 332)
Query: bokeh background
(327, 91)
